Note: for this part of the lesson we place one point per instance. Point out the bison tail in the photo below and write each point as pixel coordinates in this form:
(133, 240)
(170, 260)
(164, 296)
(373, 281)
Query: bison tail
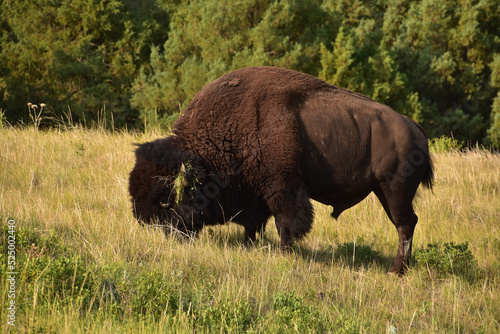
(428, 179)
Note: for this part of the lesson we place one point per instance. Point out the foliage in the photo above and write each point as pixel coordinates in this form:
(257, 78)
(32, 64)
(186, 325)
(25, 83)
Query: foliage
(453, 259)
(494, 130)
(388, 51)
(142, 62)
(427, 66)
(292, 316)
(445, 144)
(49, 271)
(227, 317)
(80, 55)
(210, 38)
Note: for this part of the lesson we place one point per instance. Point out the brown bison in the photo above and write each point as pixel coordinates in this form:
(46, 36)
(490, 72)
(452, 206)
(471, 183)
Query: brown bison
(263, 141)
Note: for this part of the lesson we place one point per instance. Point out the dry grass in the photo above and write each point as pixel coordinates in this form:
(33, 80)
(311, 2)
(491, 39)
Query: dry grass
(74, 182)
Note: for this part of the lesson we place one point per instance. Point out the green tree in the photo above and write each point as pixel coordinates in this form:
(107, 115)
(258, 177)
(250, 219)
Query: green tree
(434, 60)
(210, 38)
(494, 130)
(73, 54)
(427, 59)
(443, 47)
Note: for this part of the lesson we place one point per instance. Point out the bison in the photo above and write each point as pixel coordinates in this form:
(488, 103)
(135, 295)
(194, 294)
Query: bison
(263, 141)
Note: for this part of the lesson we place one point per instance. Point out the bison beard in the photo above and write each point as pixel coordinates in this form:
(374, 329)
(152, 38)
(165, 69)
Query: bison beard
(263, 141)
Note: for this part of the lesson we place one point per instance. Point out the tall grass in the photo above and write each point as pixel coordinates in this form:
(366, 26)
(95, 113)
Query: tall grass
(85, 265)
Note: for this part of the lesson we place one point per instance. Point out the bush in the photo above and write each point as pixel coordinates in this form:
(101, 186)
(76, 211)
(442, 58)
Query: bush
(451, 260)
(141, 294)
(47, 270)
(445, 144)
(51, 272)
(152, 294)
(227, 317)
(291, 315)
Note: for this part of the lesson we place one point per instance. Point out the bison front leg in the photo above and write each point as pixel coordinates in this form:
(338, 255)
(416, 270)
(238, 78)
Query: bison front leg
(251, 232)
(254, 221)
(284, 231)
(250, 235)
(293, 215)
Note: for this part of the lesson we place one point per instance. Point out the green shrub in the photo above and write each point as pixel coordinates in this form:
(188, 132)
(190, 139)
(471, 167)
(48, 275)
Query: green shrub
(344, 324)
(64, 279)
(151, 293)
(290, 315)
(445, 144)
(451, 260)
(227, 317)
(141, 294)
(46, 270)
(33, 243)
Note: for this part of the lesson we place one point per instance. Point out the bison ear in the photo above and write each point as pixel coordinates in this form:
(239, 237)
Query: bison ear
(188, 178)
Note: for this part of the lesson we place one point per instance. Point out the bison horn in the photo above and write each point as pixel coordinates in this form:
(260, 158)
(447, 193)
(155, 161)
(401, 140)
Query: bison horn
(187, 177)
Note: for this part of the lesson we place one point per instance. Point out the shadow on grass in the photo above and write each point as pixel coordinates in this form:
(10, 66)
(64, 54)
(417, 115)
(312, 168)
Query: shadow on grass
(353, 255)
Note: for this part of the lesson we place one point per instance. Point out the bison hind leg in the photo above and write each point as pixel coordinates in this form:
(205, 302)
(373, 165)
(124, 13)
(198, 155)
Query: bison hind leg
(399, 209)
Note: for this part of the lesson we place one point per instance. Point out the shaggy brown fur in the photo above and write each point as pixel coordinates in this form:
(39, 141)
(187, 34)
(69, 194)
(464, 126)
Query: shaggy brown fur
(262, 141)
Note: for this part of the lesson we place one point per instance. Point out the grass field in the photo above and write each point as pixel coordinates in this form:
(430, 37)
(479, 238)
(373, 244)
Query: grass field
(84, 265)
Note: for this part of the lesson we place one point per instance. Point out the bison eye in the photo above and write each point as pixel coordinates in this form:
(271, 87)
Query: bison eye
(166, 205)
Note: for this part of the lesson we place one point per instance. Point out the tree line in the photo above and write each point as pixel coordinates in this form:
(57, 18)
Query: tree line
(437, 61)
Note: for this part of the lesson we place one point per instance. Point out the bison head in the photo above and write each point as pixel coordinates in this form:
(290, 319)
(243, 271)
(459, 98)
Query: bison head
(164, 187)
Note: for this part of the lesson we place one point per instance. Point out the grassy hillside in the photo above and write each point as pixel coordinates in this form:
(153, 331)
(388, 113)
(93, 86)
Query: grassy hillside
(84, 264)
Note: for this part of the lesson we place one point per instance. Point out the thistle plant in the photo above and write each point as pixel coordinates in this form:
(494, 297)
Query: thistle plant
(35, 111)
